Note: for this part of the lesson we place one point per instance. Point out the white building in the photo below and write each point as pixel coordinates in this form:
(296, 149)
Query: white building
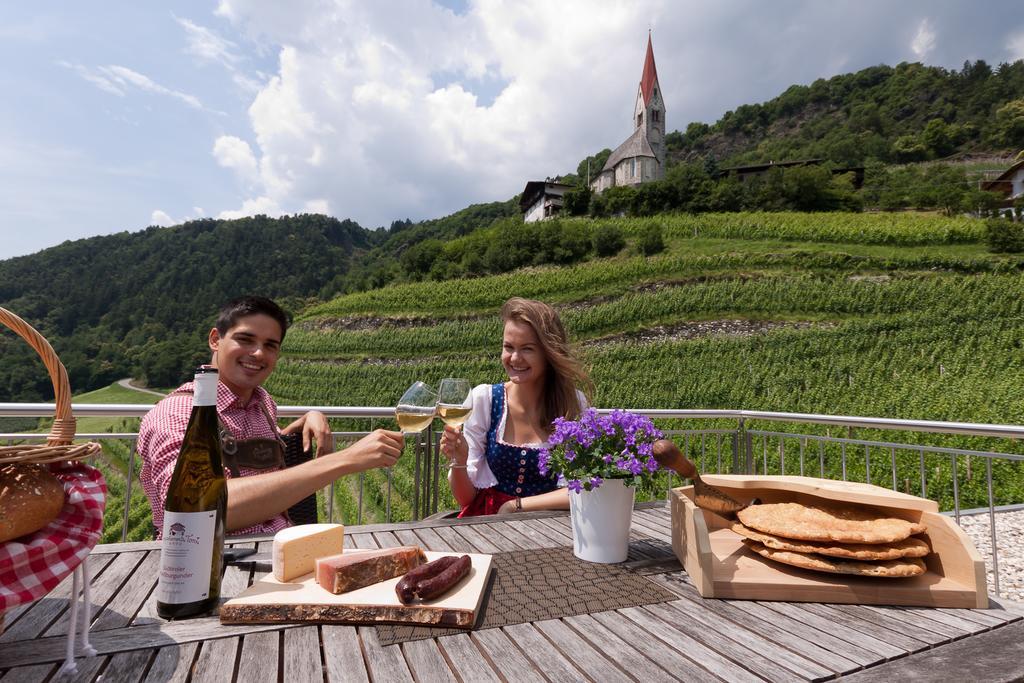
(542, 199)
(1010, 183)
(641, 158)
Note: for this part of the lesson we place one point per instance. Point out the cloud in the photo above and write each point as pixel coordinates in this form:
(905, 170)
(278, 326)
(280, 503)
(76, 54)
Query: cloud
(162, 219)
(1015, 45)
(118, 80)
(208, 46)
(235, 153)
(382, 115)
(924, 40)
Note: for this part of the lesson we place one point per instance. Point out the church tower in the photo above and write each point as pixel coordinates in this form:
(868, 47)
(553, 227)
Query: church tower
(649, 111)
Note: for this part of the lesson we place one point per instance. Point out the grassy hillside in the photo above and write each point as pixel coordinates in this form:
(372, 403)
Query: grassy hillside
(890, 316)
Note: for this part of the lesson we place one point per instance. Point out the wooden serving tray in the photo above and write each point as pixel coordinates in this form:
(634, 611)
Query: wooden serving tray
(722, 567)
(270, 601)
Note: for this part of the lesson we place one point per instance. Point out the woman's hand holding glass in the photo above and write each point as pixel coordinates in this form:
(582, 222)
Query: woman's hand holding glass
(454, 406)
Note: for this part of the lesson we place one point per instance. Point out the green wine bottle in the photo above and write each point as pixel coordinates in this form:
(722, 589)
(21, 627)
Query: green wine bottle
(194, 512)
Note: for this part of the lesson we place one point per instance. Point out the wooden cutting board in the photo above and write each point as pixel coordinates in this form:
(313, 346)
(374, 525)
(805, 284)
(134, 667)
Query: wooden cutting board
(721, 566)
(270, 601)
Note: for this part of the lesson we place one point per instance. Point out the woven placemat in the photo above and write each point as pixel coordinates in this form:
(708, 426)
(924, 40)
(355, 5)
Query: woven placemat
(545, 583)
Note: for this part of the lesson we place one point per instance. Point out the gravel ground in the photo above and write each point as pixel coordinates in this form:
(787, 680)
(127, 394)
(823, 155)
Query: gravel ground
(1010, 548)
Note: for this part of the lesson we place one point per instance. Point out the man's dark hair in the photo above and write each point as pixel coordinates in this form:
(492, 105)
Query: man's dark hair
(250, 305)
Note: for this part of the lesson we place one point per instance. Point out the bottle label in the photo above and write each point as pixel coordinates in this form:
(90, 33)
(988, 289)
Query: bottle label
(204, 392)
(186, 555)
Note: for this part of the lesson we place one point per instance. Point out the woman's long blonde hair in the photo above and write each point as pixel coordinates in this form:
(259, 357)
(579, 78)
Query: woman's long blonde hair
(566, 373)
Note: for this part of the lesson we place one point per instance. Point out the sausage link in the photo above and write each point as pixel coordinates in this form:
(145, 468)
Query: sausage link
(436, 586)
(406, 588)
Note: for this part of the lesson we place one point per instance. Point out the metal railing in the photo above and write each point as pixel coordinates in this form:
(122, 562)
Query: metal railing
(735, 448)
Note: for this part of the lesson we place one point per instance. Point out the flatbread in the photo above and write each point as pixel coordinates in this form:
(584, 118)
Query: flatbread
(891, 569)
(908, 547)
(842, 523)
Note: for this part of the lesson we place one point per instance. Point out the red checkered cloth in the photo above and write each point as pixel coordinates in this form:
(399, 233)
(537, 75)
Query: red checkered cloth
(33, 565)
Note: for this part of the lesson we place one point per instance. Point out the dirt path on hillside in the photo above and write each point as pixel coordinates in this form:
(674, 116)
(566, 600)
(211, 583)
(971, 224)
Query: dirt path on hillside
(127, 384)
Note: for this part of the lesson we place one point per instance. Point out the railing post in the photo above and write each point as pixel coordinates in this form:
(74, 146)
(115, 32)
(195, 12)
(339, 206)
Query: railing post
(128, 490)
(736, 435)
(749, 446)
(416, 477)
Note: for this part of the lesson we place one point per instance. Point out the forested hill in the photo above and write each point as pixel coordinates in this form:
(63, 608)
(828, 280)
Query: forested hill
(909, 112)
(140, 303)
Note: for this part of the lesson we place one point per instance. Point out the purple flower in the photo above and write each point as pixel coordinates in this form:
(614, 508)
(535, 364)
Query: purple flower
(575, 486)
(595, 481)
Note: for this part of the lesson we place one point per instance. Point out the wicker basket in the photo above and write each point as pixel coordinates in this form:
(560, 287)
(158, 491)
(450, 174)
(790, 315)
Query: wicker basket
(59, 444)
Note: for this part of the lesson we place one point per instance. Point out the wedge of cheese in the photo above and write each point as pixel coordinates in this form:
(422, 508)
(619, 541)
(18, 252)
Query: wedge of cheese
(297, 548)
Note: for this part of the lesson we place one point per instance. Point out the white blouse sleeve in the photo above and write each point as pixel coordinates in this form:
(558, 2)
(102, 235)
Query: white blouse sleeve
(583, 401)
(475, 430)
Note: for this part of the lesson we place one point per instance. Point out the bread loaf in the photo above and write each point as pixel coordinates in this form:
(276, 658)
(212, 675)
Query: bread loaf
(30, 498)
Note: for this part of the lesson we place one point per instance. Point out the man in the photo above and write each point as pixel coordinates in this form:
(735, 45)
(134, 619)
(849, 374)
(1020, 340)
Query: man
(246, 343)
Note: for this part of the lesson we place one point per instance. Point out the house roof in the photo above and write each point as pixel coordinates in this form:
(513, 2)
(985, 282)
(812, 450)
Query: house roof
(535, 189)
(636, 145)
(650, 75)
(999, 183)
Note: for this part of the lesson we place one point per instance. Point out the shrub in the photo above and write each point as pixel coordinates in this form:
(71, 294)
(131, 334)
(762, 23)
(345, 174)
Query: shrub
(608, 240)
(1004, 236)
(649, 241)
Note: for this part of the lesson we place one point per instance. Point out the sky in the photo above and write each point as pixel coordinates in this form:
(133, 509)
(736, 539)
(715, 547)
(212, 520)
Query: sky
(119, 115)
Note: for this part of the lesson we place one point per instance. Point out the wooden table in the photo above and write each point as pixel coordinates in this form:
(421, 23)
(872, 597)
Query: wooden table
(690, 638)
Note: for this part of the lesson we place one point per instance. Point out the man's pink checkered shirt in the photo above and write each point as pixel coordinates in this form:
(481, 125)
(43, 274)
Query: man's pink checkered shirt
(163, 430)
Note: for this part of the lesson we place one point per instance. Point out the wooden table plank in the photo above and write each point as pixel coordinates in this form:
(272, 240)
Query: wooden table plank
(555, 665)
(648, 527)
(259, 658)
(343, 656)
(127, 666)
(348, 542)
(386, 539)
(652, 648)
(456, 542)
(713, 639)
(216, 660)
(512, 534)
(890, 620)
(626, 654)
(302, 654)
(467, 661)
(834, 613)
(945, 617)
(102, 589)
(383, 663)
(837, 646)
(481, 543)
(949, 632)
(558, 536)
(29, 674)
(728, 609)
(694, 609)
(426, 661)
(505, 657)
(591, 660)
(429, 539)
(535, 536)
(126, 603)
(172, 664)
(86, 669)
(988, 618)
(858, 639)
(364, 541)
(559, 525)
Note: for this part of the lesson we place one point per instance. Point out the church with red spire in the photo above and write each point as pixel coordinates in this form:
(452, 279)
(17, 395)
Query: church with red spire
(641, 158)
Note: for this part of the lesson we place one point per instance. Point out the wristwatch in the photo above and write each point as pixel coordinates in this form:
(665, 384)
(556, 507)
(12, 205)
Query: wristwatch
(519, 504)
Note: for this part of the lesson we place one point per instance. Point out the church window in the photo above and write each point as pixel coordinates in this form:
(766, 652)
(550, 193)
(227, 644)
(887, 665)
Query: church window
(639, 119)
(654, 115)
(632, 171)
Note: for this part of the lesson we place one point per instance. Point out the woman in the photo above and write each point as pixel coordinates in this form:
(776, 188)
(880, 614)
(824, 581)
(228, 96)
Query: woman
(494, 459)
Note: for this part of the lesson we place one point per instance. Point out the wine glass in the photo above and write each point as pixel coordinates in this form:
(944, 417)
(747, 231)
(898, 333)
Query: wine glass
(416, 408)
(453, 401)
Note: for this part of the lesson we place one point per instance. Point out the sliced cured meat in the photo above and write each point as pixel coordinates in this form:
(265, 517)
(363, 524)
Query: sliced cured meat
(349, 571)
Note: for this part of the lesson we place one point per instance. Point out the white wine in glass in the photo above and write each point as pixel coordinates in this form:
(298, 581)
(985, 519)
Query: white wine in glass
(453, 401)
(416, 408)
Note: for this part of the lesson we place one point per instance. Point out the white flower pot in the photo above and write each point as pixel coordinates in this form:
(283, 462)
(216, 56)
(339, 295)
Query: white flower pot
(600, 522)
